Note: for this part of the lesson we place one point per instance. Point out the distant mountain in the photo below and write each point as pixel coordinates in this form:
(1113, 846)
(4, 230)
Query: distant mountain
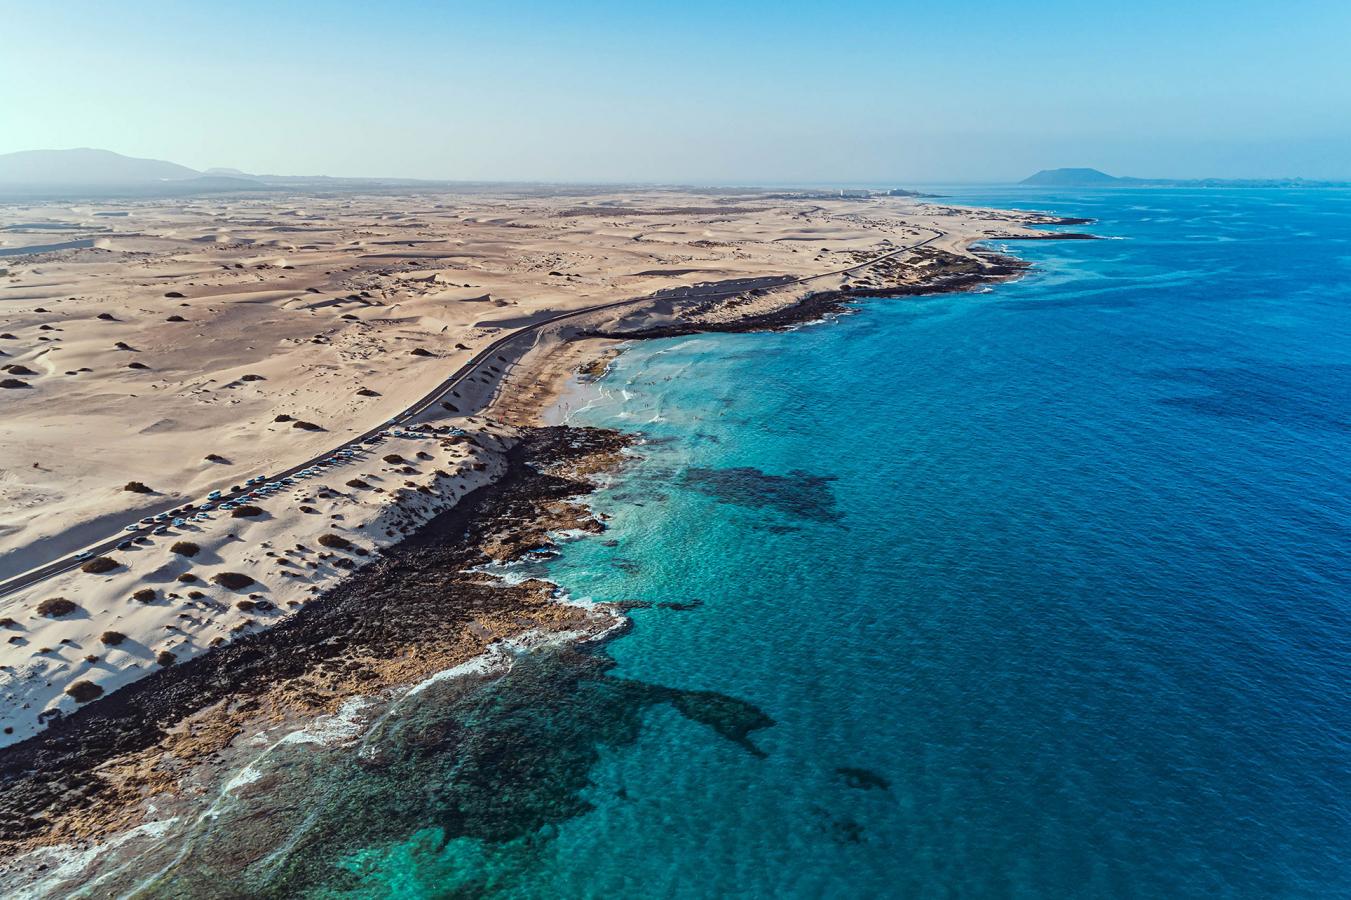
(90, 174)
(1072, 178)
(86, 167)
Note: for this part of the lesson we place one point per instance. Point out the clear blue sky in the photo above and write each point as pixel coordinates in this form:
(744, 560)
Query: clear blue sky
(899, 91)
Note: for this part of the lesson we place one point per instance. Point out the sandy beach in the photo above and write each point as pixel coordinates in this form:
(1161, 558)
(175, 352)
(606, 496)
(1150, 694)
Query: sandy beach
(195, 344)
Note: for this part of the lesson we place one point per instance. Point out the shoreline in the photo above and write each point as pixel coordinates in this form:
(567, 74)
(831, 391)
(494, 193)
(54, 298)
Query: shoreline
(211, 698)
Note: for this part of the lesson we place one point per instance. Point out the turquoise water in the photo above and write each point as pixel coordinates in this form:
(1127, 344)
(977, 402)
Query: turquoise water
(1045, 589)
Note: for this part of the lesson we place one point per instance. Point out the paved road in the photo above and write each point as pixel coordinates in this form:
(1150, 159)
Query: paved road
(711, 291)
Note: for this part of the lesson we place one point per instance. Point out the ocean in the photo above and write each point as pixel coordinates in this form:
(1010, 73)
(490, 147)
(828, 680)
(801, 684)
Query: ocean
(1039, 592)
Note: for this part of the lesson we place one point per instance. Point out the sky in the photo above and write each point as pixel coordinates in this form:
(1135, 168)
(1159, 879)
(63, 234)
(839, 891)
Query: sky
(694, 92)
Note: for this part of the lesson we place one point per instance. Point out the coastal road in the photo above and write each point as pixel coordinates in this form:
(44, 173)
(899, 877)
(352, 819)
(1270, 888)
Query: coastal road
(437, 394)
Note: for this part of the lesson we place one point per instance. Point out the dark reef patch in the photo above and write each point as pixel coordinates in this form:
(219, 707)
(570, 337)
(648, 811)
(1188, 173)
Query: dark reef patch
(863, 779)
(680, 605)
(798, 493)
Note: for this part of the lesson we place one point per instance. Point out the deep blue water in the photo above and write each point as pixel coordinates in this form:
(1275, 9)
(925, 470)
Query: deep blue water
(1046, 589)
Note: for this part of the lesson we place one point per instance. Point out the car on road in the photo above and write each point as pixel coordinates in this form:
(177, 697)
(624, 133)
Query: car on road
(125, 545)
(132, 528)
(214, 495)
(85, 555)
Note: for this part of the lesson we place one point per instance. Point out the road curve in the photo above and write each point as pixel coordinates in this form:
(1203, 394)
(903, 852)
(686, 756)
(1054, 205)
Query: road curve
(65, 564)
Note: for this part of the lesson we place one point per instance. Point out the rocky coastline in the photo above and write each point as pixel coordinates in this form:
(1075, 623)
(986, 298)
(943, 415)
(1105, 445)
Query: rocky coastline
(419, 608)
(963, 273)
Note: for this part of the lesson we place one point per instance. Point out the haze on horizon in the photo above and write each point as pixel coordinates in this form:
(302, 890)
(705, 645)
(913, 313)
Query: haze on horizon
(851, 92)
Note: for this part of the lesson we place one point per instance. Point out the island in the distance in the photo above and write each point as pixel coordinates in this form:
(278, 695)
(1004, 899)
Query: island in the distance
(1091, 178)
